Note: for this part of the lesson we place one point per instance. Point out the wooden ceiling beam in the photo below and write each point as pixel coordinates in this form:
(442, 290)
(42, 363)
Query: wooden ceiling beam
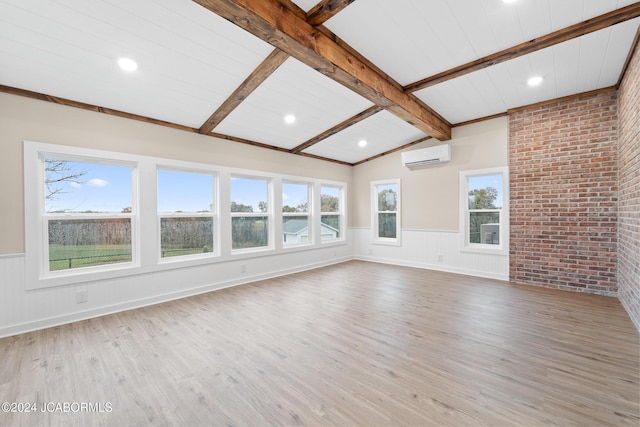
(323, 11)
(95, 108)
(319, 14)
(255, 79)
(590, 25)
(277, 25)
(337, 128)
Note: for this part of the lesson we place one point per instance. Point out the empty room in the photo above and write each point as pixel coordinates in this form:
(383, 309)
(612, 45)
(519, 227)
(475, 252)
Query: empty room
(320, 212)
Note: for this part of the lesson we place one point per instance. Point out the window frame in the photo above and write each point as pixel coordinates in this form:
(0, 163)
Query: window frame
(502, 248)
(341, 214)
(269, 213)
(38, 274)
(397, 241)
(308, 214)
(213, 214)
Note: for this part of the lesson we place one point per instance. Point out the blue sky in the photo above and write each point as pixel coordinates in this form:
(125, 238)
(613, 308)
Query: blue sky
(186, 192)
(294, 194)
(107, 188)
(103, 188)
(247, 191)
(484, 181)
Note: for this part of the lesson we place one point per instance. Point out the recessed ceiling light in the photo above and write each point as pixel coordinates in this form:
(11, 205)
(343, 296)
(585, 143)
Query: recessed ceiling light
(362, 143)
(127, 64)
(290, 118)
(534, 81)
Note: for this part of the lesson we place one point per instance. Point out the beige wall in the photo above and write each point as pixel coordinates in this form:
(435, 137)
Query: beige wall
(430, 195)
(27, 119)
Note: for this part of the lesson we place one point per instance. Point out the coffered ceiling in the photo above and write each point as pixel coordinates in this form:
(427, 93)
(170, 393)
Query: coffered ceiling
(390, 73)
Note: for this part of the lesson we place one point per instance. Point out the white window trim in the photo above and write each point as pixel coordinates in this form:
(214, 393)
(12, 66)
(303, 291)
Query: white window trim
(466, 246)
(145, 219)
(269, 214)
(214, 214)
(342, 198)
(397, 241)
(308, 214)
(37, 273)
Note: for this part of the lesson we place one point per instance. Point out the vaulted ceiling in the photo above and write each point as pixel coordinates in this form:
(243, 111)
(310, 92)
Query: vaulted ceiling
(391, 73)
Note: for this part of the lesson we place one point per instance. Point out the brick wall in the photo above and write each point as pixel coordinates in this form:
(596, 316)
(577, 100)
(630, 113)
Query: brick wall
(563, 189)
(629, 190)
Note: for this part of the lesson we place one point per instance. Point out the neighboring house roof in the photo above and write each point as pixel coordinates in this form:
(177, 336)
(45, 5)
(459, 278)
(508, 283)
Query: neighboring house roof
(294, 226)
(297, 226)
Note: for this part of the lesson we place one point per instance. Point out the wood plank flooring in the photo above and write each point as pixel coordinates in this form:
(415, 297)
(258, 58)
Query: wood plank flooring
(355, 344)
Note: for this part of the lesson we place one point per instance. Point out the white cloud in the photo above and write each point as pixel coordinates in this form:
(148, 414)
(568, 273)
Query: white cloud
(97, 182)
(285, 196)
(75, 184)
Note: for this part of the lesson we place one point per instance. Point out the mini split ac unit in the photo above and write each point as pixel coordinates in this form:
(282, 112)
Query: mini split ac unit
(427, 156)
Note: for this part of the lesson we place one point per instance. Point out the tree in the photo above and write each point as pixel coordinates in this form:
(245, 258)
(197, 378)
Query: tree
(387, 200)
(262, 206)
(239, 207)
(328, 203)
(301, 207)
(57, 172)
(483, 198)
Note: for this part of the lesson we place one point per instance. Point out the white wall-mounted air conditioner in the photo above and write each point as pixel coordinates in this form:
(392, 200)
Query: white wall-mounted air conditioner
(427, 156)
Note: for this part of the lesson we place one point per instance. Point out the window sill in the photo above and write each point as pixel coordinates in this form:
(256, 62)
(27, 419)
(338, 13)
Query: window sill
(387, 242)
(485, 249)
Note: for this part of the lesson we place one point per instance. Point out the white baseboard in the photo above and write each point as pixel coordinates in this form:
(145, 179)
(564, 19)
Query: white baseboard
(436, 267)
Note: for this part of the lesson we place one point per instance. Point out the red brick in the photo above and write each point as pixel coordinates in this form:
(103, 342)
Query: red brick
(563, 181)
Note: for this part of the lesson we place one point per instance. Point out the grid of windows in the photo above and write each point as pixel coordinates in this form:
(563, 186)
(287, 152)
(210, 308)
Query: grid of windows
(90, 214)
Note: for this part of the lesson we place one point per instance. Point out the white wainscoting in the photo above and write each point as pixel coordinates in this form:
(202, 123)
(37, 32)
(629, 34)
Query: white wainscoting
(434, 250)
(26, 310)
(22, 311)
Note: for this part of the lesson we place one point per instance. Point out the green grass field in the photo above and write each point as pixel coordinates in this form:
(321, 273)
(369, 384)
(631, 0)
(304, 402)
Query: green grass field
(64, 257)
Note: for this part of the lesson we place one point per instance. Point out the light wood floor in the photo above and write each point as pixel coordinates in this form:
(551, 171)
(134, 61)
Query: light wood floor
(353, 344)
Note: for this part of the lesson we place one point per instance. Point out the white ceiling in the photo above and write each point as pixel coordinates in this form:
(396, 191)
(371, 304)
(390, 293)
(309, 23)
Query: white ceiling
(190, 61)
(317, 102)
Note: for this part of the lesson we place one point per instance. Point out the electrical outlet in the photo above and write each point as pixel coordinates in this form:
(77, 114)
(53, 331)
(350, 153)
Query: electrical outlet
(82, 296)
(370, 251)
(243, 269)
(439, 257)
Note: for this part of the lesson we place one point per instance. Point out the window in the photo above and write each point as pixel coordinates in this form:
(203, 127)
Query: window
(331, 218)
(385, 198)
(295, 214)
(484, 213)
(186, 213)
(88, 213)
(249, 213)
